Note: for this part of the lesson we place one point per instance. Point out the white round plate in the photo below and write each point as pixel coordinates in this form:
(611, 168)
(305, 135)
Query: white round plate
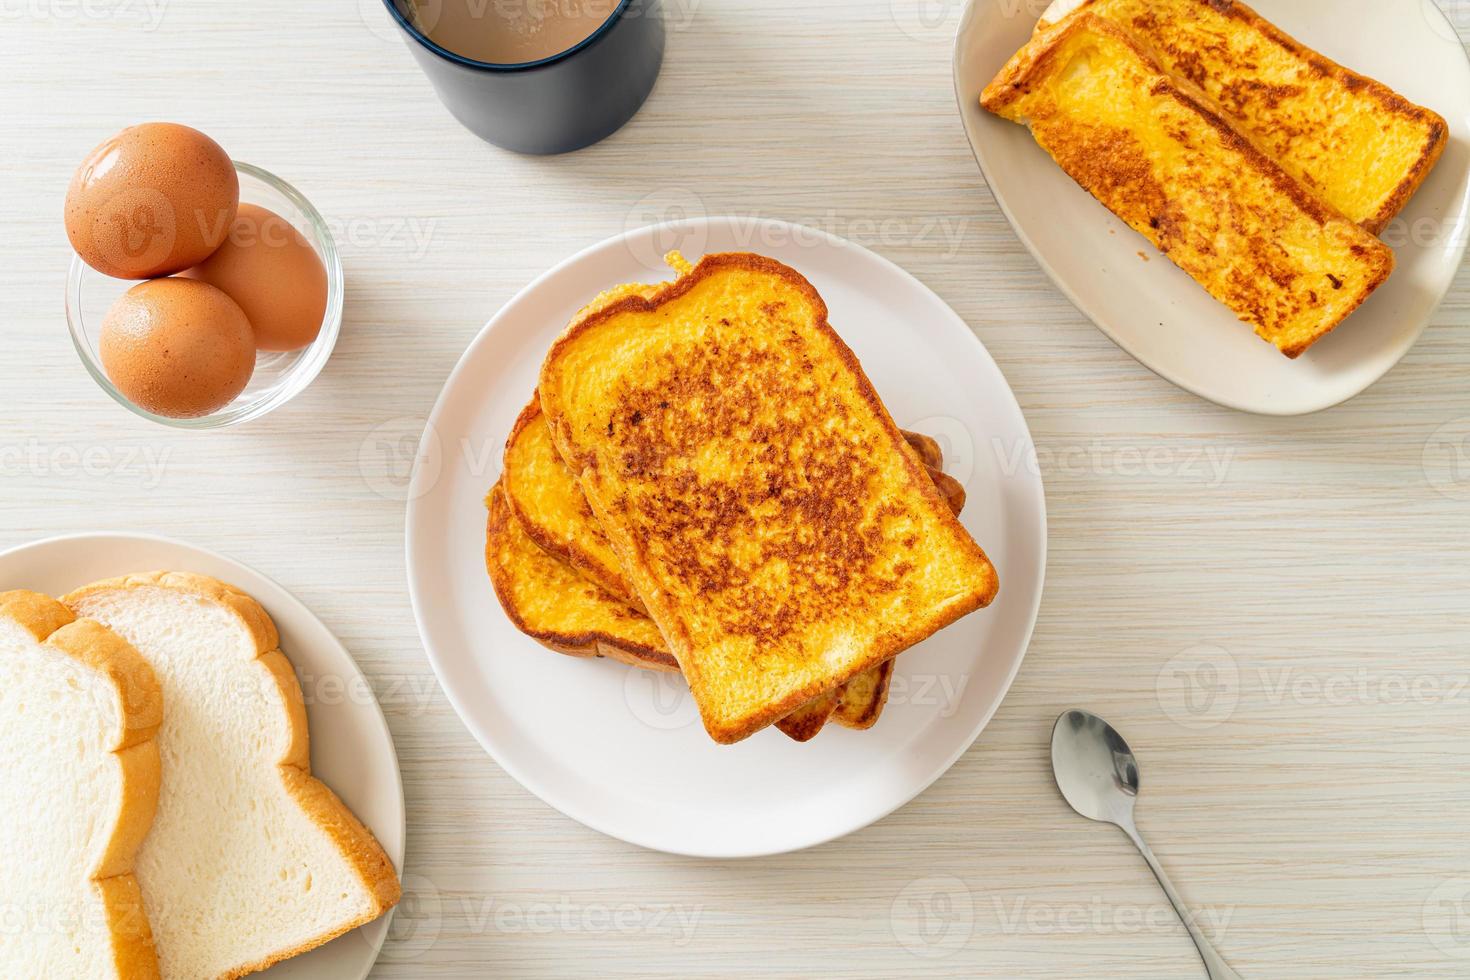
(622, 750)
(1157, 313)
(351, 748)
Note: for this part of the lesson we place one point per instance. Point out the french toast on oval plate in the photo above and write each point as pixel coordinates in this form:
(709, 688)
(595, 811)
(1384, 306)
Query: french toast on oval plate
(1152, 148)
(1350, 140)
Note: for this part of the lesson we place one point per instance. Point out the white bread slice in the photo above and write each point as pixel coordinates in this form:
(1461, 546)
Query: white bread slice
(251, 860)
(79, 777)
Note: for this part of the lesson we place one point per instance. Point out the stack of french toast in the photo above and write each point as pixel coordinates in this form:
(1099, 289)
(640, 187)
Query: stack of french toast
(1258, 166)
(705, 482)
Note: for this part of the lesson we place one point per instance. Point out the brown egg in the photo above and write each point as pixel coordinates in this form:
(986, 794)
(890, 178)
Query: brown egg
(275, 275)
(177, 347)
(151, 201)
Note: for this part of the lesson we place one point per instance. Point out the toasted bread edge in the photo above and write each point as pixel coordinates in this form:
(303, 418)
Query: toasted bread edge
(585, 645)
(570, 551)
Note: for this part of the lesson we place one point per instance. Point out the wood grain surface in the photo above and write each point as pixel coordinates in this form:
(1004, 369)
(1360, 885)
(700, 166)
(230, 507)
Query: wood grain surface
(1275, 612)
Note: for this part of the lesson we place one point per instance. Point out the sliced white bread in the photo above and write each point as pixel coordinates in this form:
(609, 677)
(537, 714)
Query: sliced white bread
(79, 777)
(251, 860)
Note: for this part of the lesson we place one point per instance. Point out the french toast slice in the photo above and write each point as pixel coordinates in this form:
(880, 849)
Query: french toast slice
(567, 613)
(544, 497)
(572, 619)
(1352, 141)
(1153, 150)
(760, 499)
(543, 493)
(552, 603)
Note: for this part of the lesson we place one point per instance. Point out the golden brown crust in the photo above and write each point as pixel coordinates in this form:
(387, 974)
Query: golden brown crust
(524, 481)
(546, 503)
(1111, 178)
(569, 549)
(856, 704)
(355, 842)
(1018, 75)
(806, 722)
(499, 522)
(927, 448)
(632, 552)
(1391, 102)
(140, 702)
(859, 708)
(952, 490)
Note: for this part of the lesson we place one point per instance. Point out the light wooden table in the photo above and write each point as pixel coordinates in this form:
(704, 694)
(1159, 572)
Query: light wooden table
(1315, 586)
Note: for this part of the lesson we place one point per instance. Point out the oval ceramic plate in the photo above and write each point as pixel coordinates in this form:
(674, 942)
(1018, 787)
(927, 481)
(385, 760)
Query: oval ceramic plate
(622, 750)
(1158, 314)
(351, 748)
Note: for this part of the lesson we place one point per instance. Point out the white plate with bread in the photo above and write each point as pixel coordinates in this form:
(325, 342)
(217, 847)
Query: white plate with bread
(1269, 176)
(198, 832)
(621, 748)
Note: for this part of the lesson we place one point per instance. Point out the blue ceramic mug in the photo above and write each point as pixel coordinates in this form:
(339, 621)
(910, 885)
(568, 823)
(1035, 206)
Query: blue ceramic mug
(561, 103)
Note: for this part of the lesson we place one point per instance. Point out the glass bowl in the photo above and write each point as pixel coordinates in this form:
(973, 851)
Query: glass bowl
(278, 377)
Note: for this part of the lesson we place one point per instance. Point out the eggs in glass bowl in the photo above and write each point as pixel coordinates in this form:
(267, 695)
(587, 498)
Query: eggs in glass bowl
(215, 250)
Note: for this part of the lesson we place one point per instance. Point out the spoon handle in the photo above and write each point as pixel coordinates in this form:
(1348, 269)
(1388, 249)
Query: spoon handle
(1216, 967)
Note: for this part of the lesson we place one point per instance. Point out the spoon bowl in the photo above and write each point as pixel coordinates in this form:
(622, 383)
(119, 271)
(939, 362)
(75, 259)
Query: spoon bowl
(1098, 775)
(1095, 769)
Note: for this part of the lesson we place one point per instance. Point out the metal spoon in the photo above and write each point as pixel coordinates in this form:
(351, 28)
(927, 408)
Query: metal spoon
(1096, 772)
